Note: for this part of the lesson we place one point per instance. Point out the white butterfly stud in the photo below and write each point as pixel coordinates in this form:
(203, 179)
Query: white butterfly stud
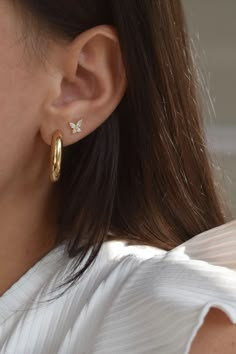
(76, 126)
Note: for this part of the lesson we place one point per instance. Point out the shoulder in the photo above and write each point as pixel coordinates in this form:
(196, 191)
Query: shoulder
(134, 297)
(216, 335)
(163, 293)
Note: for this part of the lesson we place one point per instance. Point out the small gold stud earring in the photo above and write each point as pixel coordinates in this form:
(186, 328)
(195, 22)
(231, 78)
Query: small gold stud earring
(76, 127)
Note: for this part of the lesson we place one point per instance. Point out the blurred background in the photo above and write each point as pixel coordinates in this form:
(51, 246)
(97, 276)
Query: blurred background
(212, 26)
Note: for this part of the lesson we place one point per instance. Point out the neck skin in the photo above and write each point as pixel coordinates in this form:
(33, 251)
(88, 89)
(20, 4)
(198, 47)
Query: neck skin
(27, 219)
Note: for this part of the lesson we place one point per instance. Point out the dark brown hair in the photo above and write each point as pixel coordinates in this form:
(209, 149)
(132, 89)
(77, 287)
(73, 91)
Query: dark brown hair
(145, 175)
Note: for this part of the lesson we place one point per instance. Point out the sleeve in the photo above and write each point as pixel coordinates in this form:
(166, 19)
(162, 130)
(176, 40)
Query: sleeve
(163, 304)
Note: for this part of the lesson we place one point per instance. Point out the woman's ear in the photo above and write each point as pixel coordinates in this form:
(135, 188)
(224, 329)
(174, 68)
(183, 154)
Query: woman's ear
(89, 84)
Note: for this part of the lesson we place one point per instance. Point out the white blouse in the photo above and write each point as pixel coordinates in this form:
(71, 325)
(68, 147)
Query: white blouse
(133, 300)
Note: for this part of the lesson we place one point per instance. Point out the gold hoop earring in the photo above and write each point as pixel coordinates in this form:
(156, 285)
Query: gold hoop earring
(56, 156)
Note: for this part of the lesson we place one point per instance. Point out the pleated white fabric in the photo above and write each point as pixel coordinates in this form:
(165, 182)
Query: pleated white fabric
(134, 299)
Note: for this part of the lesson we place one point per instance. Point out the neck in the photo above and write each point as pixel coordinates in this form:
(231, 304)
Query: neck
(27, 231)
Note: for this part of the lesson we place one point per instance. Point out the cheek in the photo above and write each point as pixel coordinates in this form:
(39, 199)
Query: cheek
(19, 105)
(21, 87)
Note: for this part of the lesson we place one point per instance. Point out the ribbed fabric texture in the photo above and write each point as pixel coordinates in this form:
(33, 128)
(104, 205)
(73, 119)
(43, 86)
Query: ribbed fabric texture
(134, 299)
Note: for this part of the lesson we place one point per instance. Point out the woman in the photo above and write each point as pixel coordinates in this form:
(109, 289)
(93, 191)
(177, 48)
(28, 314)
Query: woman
(114, 237)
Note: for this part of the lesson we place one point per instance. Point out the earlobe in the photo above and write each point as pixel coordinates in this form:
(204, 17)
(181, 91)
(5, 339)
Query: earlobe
(92, 84)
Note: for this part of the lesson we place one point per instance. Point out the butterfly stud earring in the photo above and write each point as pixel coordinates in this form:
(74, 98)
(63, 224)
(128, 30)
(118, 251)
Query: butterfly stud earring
(76, 127)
